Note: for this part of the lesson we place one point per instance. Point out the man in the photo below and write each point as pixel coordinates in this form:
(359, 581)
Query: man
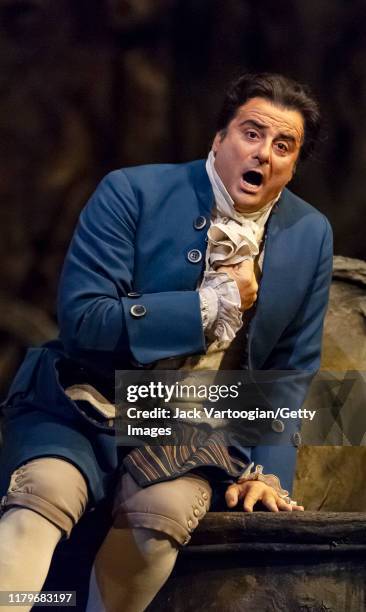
(132, 294)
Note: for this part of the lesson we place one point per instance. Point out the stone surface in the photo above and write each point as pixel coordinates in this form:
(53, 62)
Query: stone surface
(351, 269)
(330, 476)
(309, 562)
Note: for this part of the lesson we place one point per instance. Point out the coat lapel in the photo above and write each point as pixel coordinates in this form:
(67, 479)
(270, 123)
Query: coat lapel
(271, 316)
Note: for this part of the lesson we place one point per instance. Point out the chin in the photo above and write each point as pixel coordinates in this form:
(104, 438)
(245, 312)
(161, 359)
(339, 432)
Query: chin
(248, 204)
(247, 208)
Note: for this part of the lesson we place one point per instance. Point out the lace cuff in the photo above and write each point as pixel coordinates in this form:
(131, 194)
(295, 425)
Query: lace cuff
(228, 320)
(269, 479)
(209, 306)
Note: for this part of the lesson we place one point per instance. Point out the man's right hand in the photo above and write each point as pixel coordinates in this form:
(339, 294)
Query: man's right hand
(243, 274)
(253, 491)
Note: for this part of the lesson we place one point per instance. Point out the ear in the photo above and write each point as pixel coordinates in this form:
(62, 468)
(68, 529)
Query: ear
(217, 140)
(215, 144)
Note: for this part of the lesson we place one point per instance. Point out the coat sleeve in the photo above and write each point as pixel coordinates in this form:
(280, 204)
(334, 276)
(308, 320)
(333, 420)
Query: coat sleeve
(296, 357)
(94, 309)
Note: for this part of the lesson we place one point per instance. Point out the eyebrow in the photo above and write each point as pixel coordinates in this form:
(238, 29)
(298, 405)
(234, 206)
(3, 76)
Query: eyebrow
(262, 126)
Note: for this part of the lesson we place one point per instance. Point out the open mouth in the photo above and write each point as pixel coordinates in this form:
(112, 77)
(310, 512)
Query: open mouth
(252, 177)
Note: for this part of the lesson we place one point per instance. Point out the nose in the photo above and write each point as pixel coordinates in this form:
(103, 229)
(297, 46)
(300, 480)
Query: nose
(263, 152)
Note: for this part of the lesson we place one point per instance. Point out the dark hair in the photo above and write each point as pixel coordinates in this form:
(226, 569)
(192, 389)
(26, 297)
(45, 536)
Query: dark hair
(280, 90)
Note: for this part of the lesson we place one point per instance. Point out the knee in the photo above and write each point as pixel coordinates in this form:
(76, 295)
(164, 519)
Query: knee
(51, 487)
(154, 545)
(174, 508)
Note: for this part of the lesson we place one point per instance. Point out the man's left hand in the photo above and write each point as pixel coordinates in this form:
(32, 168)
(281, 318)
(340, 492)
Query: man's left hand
(253, 491)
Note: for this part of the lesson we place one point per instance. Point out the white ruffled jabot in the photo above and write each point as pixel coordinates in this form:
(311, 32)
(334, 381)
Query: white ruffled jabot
(233, 236)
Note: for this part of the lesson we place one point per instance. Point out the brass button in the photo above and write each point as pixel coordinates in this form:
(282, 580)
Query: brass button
(201, 502)
(196, 512)
(190, 524)
(205, 496)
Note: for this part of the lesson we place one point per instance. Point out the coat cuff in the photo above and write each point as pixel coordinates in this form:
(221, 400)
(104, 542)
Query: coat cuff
(163, 325)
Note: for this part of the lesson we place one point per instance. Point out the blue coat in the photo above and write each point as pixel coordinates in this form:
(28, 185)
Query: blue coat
(134, 235)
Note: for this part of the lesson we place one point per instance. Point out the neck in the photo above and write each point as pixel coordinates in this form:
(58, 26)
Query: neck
(223, 199)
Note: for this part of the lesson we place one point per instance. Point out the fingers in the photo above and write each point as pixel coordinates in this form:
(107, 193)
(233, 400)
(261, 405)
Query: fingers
(243, 274)
(248, 301)
(298, 508)
(250, 500)
(282, 505)
(235, 492)
(252, 492)
(232, 495)
(246, 266)
(270, 501)
(247, 284)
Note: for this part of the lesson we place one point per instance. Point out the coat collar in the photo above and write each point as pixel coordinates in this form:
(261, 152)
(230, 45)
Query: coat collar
(202, 187)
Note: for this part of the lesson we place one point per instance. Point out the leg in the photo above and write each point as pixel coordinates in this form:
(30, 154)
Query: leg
(129, 580)
(141, 548)
(27, 542)
(46, 497)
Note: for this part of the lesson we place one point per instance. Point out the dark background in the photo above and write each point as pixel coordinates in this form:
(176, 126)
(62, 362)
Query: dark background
(91, 85)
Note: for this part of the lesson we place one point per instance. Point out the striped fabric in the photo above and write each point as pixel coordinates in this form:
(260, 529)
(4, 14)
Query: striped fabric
(149, 464)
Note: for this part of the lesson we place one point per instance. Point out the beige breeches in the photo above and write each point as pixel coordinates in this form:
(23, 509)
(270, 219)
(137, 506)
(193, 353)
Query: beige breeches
(139, 551)
(56, 490)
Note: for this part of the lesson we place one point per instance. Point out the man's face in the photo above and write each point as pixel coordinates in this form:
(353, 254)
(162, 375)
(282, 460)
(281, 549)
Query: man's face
(256, 155)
